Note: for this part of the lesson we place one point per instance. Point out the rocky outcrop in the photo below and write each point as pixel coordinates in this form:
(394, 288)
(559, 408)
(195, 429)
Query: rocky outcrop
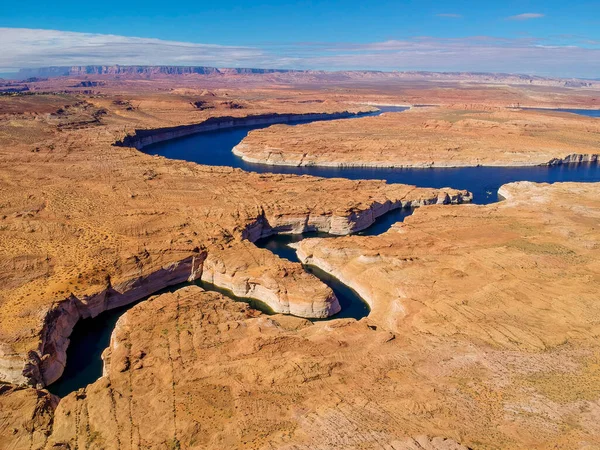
(575, 159)
(47, 364)
(282, 285)
(354, 221)
(417, 273)
(79, 216)
(143, 138)
(26, 417)
(240, 267)
(434, 136)
(192, 369)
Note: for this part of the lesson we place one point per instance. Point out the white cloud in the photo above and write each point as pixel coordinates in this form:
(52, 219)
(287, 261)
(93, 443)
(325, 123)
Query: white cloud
(22, 47)
(40, 48)
(526, 16)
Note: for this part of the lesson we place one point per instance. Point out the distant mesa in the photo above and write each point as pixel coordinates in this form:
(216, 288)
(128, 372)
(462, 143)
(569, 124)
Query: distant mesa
(63, 71)
(305, 75)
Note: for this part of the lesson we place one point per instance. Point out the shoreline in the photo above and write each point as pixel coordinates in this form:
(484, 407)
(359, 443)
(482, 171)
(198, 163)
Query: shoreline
(145, 137)
(46, 365)
(574, 158)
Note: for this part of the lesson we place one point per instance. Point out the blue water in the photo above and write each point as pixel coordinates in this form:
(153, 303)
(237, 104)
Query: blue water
(214, 148)
(352, 304)
(91, 336)
(581, 112)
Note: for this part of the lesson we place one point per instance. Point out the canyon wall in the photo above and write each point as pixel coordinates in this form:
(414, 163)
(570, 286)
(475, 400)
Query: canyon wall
(240, 267)
(46, 365)
(355, 221)
(433, 136)
(77, 71)
(575, 158)
(319, 76)
(143, 138)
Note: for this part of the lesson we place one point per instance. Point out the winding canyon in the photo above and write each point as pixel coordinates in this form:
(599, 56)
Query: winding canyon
(478, 312)
(297, 292)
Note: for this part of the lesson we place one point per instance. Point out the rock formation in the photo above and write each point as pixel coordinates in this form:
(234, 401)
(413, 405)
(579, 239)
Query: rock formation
(143, 138)
(520, 274)
(26, 417)
(483, 332)
(431, 137)
(311, 75)
(88, 226)
(192, 369)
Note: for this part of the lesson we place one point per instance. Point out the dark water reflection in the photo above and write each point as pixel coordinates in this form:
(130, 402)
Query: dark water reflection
(91, 336)
(214, 148)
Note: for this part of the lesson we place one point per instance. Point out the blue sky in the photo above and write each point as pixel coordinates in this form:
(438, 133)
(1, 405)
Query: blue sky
(429, 35)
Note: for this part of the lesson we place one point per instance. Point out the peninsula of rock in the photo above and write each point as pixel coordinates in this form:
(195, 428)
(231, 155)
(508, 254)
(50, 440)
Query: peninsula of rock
(449, 136)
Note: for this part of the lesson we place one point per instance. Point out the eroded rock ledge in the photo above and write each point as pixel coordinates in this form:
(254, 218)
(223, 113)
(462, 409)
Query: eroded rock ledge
(238, 266)
(145, 137)
(446, 271)
(431, 137)
(165, 383)
(87, 225)
(192, 369)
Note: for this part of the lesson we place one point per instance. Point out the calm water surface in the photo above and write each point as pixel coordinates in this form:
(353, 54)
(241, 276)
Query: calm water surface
(581, 112)
(214, 148)
(91, 336)
(352, 304)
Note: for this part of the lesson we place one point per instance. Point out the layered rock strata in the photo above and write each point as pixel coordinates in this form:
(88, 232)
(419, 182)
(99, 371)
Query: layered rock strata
(498, 348)
(281, 285)
(431, 137)
(192, 369)
(143, 138)
(520, 274)
(87, 226)
(238, 266)
(188, 370)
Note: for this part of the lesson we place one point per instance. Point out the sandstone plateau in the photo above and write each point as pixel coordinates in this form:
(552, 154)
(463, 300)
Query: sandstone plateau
(518, 274)
(484, 325)
(431, 137)
(87, 226)
(483, 334)
(307, 76)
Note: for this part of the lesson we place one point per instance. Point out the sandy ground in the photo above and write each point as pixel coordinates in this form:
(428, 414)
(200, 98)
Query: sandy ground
(488, 339)
(449, 136)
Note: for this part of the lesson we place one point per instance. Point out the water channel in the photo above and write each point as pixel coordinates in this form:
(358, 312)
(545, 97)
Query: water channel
(91, 336)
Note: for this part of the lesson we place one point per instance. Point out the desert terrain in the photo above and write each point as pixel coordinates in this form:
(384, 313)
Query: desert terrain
(89, 226)
(483, 325)
(443, 136)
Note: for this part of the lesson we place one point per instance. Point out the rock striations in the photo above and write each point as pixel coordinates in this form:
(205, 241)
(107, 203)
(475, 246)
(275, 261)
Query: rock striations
(121, 225)
(192, 369)
(520, 274)
(484, 324)
(431, 137)
(143, 138)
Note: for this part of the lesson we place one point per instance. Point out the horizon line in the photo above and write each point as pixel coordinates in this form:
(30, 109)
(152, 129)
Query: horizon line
(277, 70)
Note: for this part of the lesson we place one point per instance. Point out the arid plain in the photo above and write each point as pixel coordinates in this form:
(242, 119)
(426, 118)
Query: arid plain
(484, 322)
